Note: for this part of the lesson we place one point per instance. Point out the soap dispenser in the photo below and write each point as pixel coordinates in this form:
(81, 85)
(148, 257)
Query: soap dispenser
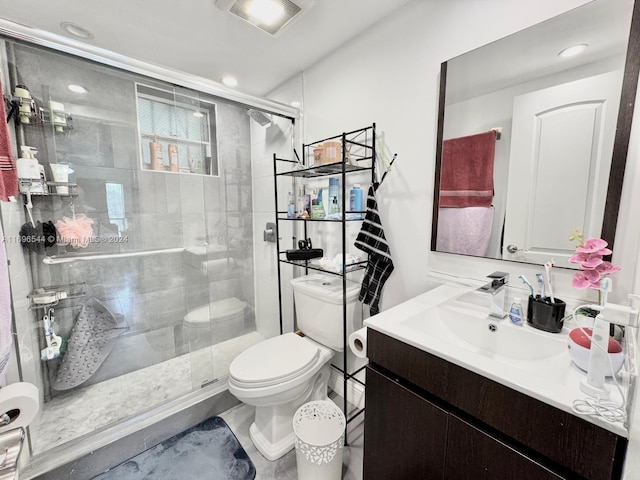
(28, 168)
(27, 165)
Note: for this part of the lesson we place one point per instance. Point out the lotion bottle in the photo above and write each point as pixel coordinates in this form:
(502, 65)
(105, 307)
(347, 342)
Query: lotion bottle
(515, 313)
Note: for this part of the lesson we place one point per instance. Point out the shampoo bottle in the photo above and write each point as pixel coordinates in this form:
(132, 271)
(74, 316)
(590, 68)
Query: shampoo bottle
(155, 148)
(174, 165)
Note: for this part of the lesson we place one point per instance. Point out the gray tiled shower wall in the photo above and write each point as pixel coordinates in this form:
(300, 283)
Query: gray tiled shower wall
(150, 295)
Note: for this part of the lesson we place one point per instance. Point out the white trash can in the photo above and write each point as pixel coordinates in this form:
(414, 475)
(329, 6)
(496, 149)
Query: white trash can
(319, 429)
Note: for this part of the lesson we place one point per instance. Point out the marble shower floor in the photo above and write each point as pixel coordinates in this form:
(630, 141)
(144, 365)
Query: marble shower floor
(86, 410)
(239, 419)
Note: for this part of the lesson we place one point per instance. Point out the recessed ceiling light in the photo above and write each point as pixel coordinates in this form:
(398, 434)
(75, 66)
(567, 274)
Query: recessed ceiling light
(230, 81)
(573, 51)
(295, 104)
(77, 89)
(76, 30)
(198, 114)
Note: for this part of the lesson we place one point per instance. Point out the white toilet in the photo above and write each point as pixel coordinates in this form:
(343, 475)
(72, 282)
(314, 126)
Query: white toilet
(214, 322)
(281, 373)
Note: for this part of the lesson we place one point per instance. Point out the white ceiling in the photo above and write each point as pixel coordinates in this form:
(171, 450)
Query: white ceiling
(198, 38)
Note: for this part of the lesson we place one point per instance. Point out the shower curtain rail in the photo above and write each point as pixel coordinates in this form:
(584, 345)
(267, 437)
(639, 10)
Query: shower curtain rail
(56, 259)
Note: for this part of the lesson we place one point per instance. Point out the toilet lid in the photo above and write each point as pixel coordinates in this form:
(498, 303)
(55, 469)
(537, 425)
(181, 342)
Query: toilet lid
(274, 360)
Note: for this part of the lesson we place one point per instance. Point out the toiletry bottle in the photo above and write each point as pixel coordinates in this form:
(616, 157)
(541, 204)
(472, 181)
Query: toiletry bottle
(515, 313)
(306, 199)
(156, 154)
(334, 208)
(355, 198)
(58, 116)
(291, 209)
(27, 165)
(174, 165)
(334, 195)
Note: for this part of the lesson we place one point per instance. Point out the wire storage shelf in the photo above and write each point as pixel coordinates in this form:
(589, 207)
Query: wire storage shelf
(338, 156)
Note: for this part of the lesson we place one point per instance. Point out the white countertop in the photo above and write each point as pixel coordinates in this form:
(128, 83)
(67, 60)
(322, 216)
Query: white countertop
(552, 379)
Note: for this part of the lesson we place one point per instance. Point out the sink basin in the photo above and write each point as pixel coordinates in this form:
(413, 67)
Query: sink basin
(490, 336)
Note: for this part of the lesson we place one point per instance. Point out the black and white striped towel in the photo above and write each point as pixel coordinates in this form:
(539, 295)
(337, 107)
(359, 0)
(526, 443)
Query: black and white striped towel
(372, 241)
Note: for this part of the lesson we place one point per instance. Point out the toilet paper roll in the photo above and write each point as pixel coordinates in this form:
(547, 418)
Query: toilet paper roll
(20, 403)
(358, 343)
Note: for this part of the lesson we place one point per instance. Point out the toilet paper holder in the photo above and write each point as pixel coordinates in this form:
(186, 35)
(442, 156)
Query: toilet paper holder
(10, 448)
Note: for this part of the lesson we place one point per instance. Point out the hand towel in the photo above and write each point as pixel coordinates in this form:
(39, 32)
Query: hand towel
(8, 173)
(464, 230)
(6, 336)
(466, 178)
(372, 241)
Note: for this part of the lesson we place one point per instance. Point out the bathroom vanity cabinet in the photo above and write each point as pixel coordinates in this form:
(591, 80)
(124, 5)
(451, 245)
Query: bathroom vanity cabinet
(429, 418)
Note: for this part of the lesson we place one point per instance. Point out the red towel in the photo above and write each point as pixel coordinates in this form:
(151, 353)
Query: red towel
(8, 174)
(466, 178)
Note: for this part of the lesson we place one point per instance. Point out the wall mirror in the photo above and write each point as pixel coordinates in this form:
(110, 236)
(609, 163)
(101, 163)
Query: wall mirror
(532, 143)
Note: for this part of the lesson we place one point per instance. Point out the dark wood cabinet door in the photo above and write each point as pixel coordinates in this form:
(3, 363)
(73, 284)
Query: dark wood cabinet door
(404, 435)
(472, 454)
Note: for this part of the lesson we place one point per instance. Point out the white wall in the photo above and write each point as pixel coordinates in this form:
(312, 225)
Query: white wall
(390, 75)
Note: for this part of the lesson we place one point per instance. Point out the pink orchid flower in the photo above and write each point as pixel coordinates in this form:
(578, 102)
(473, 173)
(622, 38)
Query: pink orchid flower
(582, 281)
(589, 257)
(587, 261)
(594, 245)
(607, 267)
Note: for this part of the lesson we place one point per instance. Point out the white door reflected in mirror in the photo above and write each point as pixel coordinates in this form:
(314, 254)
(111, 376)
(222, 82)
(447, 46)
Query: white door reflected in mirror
(560, 155)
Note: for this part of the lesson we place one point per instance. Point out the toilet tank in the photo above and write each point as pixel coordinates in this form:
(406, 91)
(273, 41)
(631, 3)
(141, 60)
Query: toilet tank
(318, 303)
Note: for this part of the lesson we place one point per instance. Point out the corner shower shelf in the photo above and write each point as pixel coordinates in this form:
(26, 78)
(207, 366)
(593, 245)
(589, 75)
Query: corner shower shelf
(50, 296)
(358, 155)
(25, 186)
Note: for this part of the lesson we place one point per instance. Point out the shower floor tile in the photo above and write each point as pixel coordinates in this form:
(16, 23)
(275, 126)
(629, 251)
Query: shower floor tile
(239, 419)
(85, 410)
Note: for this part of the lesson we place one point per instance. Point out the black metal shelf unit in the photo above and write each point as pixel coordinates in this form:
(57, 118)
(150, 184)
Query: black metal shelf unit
(358, 153)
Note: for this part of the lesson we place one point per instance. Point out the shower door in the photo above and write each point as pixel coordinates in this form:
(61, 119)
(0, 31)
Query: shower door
(152, 274)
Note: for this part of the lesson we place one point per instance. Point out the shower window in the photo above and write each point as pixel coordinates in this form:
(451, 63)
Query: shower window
(177, 132)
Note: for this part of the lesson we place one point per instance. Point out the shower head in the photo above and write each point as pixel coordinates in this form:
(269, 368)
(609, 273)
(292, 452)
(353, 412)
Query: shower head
(260, 117)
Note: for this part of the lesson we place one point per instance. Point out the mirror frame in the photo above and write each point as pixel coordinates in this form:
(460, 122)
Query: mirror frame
(620, 146)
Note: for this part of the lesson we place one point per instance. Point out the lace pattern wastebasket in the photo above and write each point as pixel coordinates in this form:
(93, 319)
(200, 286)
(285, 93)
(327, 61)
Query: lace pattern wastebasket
(319, 438)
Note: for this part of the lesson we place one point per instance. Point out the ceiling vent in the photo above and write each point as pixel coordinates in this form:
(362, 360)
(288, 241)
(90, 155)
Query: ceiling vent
(270, 16)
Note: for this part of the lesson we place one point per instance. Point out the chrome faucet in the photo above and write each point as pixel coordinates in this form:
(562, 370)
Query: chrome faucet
(497, 287)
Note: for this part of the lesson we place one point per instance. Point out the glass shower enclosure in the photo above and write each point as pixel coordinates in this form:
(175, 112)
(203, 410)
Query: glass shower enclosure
(132, 247)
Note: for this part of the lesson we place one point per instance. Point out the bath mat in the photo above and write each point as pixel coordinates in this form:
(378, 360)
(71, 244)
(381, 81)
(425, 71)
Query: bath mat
(92, 338)
(208, 451)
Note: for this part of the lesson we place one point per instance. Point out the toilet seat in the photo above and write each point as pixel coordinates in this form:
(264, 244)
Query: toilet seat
(273, 361)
